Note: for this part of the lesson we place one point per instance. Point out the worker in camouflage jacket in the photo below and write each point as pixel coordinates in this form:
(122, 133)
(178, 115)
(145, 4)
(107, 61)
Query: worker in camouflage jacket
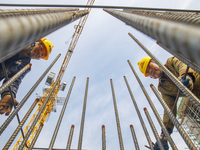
(40, 49)
(167, 88)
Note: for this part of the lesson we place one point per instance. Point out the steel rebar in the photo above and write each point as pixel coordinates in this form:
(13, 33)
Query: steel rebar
(117, 117)
(134, 138)
(15, 77)
(153, 129)
(154, 109)
(139, 115)
(184, 135)
(177, 36)
(19, 106)
(103, 138)
(16, 33)
(180, 85)
(70, 137)
(61, 116)
(83, 117)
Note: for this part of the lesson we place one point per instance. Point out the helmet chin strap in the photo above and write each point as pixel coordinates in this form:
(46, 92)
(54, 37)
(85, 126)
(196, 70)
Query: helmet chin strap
(30, 48)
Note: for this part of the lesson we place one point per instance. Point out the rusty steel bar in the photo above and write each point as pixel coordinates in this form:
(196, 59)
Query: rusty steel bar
(180, 85)
(18, 12)
(98, 6)
(16, 76)
(171, 142)
(177, 36)
(83, 117)
(153, 129)
(134, 138)
(182, 58)
(184, 135)
(39, 114)
(70, 137)
(103, 138)
(139, 114)
(35, 137)
(182, 17)
(117, 117)
(61, 116)
(19, 106)
(16, 33)
(19, 127)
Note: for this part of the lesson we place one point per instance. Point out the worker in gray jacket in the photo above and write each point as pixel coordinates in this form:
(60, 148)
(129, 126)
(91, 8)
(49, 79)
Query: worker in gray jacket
(40, 49)
(167, 88)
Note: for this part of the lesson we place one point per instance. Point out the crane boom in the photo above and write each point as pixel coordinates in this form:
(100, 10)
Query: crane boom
(53, 98)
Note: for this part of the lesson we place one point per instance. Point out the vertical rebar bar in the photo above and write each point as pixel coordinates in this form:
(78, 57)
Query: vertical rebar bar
(182, 58)
(83, 117)
(103, 138)
(19, 106)
(61, 116)
(184, 135)
(117, 117)
(154, 109)
(180, 85)
(13, 136)
(70, 137)
(176, 36)
(39, 114)
(153, 129)
(16, 33)
(11, 80)
(134, 138)
(139, 115)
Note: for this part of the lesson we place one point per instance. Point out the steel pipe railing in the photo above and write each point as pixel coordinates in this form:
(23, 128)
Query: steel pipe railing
(16, 33)
(176, 36)
(180, 85)
(139, 115)
(154, 109)
(83, 117)
(117, 117)
(61, 116)
(153, 129)
(70, 137)
(19, 106)
(184, 135)
(15, 77)
(103, 138)
(134, 138)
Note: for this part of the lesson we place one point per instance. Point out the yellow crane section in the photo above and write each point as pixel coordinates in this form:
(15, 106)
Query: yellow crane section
(53, 98)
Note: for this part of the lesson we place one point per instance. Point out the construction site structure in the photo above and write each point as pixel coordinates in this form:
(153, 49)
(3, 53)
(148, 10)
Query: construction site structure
(154, 24)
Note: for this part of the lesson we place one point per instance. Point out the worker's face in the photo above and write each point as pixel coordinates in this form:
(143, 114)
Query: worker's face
(38, 51)
(153, 70)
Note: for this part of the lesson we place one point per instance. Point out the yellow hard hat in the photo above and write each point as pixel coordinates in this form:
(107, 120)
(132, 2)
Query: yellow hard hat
(143, 63)
(48, 46)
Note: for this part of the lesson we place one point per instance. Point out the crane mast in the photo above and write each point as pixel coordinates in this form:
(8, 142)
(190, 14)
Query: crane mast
(53, 98)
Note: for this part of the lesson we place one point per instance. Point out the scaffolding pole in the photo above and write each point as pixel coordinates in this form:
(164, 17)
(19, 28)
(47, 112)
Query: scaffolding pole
(176, 36)
(139, 115)
(16, 33)
(184, 135)
(117, 117)
(153, 129)
(103, 138)
(134, 138)
(179, 84)
(19, 106)
(83, 117)
(70, 137)
(154, 109)
(61, 116)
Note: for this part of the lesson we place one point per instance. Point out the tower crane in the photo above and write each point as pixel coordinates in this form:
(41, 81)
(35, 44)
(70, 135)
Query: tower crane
(53, 98)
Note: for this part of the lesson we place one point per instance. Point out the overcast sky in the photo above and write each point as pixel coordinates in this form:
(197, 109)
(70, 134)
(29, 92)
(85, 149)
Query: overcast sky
(100, 54)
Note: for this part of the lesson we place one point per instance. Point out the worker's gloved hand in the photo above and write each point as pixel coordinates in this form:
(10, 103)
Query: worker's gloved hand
(164, 143)
(188, 82)
(6, 104)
